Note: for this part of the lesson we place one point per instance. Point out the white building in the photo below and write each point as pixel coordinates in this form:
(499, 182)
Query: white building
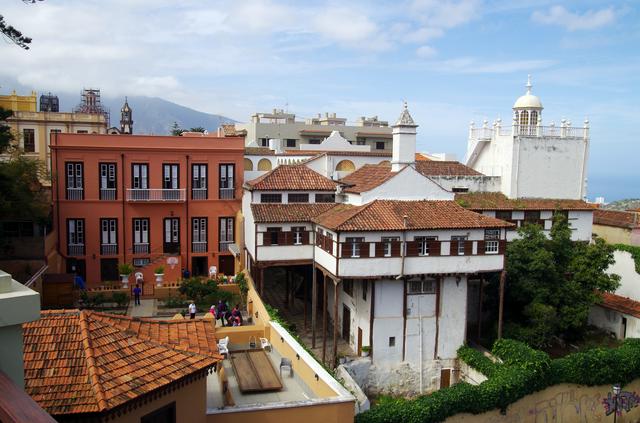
(618, 315)
(529, 157)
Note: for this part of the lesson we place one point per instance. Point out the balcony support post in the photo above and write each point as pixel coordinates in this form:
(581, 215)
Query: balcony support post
(314, 304)
(324, 318)
(503, 280)
(336, 282)
(286, 290)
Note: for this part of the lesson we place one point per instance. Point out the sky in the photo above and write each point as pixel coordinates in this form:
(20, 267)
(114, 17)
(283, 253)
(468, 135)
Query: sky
(453, 61)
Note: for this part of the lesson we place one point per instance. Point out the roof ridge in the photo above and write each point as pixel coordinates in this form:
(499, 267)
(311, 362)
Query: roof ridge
(92, 368)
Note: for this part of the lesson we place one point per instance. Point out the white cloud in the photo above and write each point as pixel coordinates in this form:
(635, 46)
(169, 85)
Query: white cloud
(591, 19)
(425, 52)
(344, 25)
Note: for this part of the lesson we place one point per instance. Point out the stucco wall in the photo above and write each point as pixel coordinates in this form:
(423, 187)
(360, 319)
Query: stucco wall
(613, 235)
(320, 413)
(565, 403)
(625, 266)
(408, 184)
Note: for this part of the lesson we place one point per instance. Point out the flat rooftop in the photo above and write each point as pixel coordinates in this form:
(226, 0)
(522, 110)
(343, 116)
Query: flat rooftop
(293, 388)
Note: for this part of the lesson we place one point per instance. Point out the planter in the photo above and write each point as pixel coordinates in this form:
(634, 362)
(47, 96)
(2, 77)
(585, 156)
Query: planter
(364, 353)
(159, 278)
(125, 281)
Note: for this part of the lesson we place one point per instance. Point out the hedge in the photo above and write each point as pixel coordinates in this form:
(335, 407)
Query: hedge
(524, 371)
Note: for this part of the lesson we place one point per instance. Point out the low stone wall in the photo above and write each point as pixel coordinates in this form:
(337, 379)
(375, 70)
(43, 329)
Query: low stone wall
(564, 403)
(362, 402)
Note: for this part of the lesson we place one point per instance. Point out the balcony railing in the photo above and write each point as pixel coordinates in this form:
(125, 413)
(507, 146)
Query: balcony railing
(75, 193)
(155, 195)
(227, 193)
(109, 249)
(75, 250)
(224, 246)
(140, 248)
(107, 194)
(429, 248)
(285, 238)
(199, 247)
(561, 131)
(199, 193)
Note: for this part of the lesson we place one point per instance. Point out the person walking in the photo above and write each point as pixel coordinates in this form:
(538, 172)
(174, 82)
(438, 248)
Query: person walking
(136, 295)
(192, 310)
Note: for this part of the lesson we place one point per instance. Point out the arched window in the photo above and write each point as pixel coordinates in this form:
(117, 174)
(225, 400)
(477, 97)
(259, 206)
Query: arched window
(534, 117)
(524, 117)
(264, 164)
(248, 164)
(346, 166)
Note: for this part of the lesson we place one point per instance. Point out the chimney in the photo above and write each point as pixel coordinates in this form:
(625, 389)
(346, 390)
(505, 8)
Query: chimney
(404, 141)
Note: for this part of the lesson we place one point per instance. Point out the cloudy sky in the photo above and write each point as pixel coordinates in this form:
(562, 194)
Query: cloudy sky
(453, 60)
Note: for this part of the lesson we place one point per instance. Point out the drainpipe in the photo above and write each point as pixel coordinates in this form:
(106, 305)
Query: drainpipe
(403, 251)
(421, 338)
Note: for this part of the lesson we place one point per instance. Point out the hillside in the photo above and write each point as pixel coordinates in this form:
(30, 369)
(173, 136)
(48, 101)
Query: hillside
(626, 204)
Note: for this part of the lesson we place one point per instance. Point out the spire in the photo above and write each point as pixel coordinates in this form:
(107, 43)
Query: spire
(405, 118)
(528, 85)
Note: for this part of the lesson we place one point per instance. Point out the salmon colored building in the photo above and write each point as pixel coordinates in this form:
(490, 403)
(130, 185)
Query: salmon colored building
(147, 201)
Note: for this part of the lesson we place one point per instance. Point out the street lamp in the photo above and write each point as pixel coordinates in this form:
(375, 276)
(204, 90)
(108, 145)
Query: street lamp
(616, 393)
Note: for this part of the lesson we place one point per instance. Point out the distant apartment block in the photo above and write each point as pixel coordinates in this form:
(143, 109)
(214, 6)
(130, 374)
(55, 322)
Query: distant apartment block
(145, 200)
(282, 125)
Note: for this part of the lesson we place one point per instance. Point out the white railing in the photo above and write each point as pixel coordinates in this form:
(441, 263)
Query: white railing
(227, 193)
(74, 193)
(199, 247)
(486, 133)
(481, 133)
(75, 249)
(36, 275)
(140, 248)
(156, 194)
(199, 193)
(108, 249)
(224, 246)
(107, 193)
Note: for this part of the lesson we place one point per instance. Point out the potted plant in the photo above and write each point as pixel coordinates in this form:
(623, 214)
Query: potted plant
(365, 351)
(125, 269)
(159, 273)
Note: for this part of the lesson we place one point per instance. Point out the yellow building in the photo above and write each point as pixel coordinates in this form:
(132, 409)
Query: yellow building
(34, 129)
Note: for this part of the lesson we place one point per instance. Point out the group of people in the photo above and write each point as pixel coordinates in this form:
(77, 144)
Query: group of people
(227, 317)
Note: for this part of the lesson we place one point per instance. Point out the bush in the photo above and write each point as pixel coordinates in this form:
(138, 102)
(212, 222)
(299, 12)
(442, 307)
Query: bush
(524, 371)
(204, 294)
(175, 302)
(125, 269)
(120, 298)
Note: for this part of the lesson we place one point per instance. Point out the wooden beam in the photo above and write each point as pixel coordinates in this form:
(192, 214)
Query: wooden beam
(261, 281)
(438, 290)
(404, 318)
(324, 319)
(503, 280)
(335, 322)
(372, 315)
(481, 294)
(314, 306)
(304, 303)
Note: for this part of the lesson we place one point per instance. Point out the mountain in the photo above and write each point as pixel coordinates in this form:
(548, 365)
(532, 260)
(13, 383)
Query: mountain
(152, 115)
(627, 204)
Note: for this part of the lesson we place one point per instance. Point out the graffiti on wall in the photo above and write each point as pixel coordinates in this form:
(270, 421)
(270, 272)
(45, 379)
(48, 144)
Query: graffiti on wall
(625, 402)
(568, 406)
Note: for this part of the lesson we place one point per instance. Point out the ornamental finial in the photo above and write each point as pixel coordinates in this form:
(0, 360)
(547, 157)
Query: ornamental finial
(529, 85)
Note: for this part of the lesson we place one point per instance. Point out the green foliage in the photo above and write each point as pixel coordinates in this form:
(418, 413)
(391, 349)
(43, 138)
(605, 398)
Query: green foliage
(203, 293)
(175, 302)
(125, 269)
(197, 129)
(14, 35)
(524, 371)
(243, 286)
(553, 282)
(175, 129)
(633, 250)
(159, 270)
(120, 298)
(6, 136)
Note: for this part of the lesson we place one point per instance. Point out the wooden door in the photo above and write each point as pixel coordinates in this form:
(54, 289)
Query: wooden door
(172, 235)
(359, 341)
(445, 378)
(346, 322)
(226, 265)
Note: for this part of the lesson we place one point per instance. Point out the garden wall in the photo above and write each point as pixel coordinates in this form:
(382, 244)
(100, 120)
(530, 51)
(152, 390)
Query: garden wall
(563, 403)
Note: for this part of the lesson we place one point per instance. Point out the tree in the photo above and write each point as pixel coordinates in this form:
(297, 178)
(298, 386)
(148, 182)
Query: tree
(198, 129)
(6, 136)
(175, 129)
(13, 34)
(553, 282)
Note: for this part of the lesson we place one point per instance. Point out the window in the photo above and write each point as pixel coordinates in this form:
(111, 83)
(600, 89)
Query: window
(107, 181)
(427, 286)
(503, 214)
(141, 236)
(82, 131)
(108, 236)
(352, 247)
(532, 215)
(226, 181)
(534, 117)
(273, 235)
(170, 176)
(140, 176)
(325, 198)
(199, 234)
(75, 180)
(387, 245)
(298, 198)
(298, 233)
(492, 241)
(314, 141)
(271, 198)
(392, 341)
(75, 237)
(10, 229)
(226, 235)
(171, 244)
(524, 117)
(264, 142)
(347, 287)
(199, 174)
(423, 244)
(380, 145)
(29, 140)
(291, 143)
(361, 142)
(365, 287)
(461, 242)
(460, 189)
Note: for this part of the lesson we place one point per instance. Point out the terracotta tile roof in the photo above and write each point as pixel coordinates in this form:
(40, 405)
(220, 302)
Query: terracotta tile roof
(619, 219)
(273, 213)
(421, 157)
(444, 168)
(258, 151)
(499, 201)
(292, 178)
(77, 363)
(338, 153)
(387, 215)
(367, 177)
(620, 304)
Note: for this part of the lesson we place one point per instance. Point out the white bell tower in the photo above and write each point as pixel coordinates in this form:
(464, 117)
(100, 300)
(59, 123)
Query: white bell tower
(404, 141)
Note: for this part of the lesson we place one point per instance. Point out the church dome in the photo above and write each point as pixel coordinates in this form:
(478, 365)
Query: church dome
(528, 101)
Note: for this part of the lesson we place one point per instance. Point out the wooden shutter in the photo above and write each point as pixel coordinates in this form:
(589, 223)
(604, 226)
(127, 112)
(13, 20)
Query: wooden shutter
(395, 248)
(365, 249)
(502, 246)
(305, 237)
(468, 248)
(266, 238)
(434, 248)
(481, 248)
(380, 249)
(453, 248)
(412, 248)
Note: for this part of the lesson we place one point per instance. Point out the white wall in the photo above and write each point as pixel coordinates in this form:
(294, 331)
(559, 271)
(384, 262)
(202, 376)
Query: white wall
(472, 183)
(629, 279)
(388, 321)
(408, 184)
(249, 226)
(581, 223)
(611, 321)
